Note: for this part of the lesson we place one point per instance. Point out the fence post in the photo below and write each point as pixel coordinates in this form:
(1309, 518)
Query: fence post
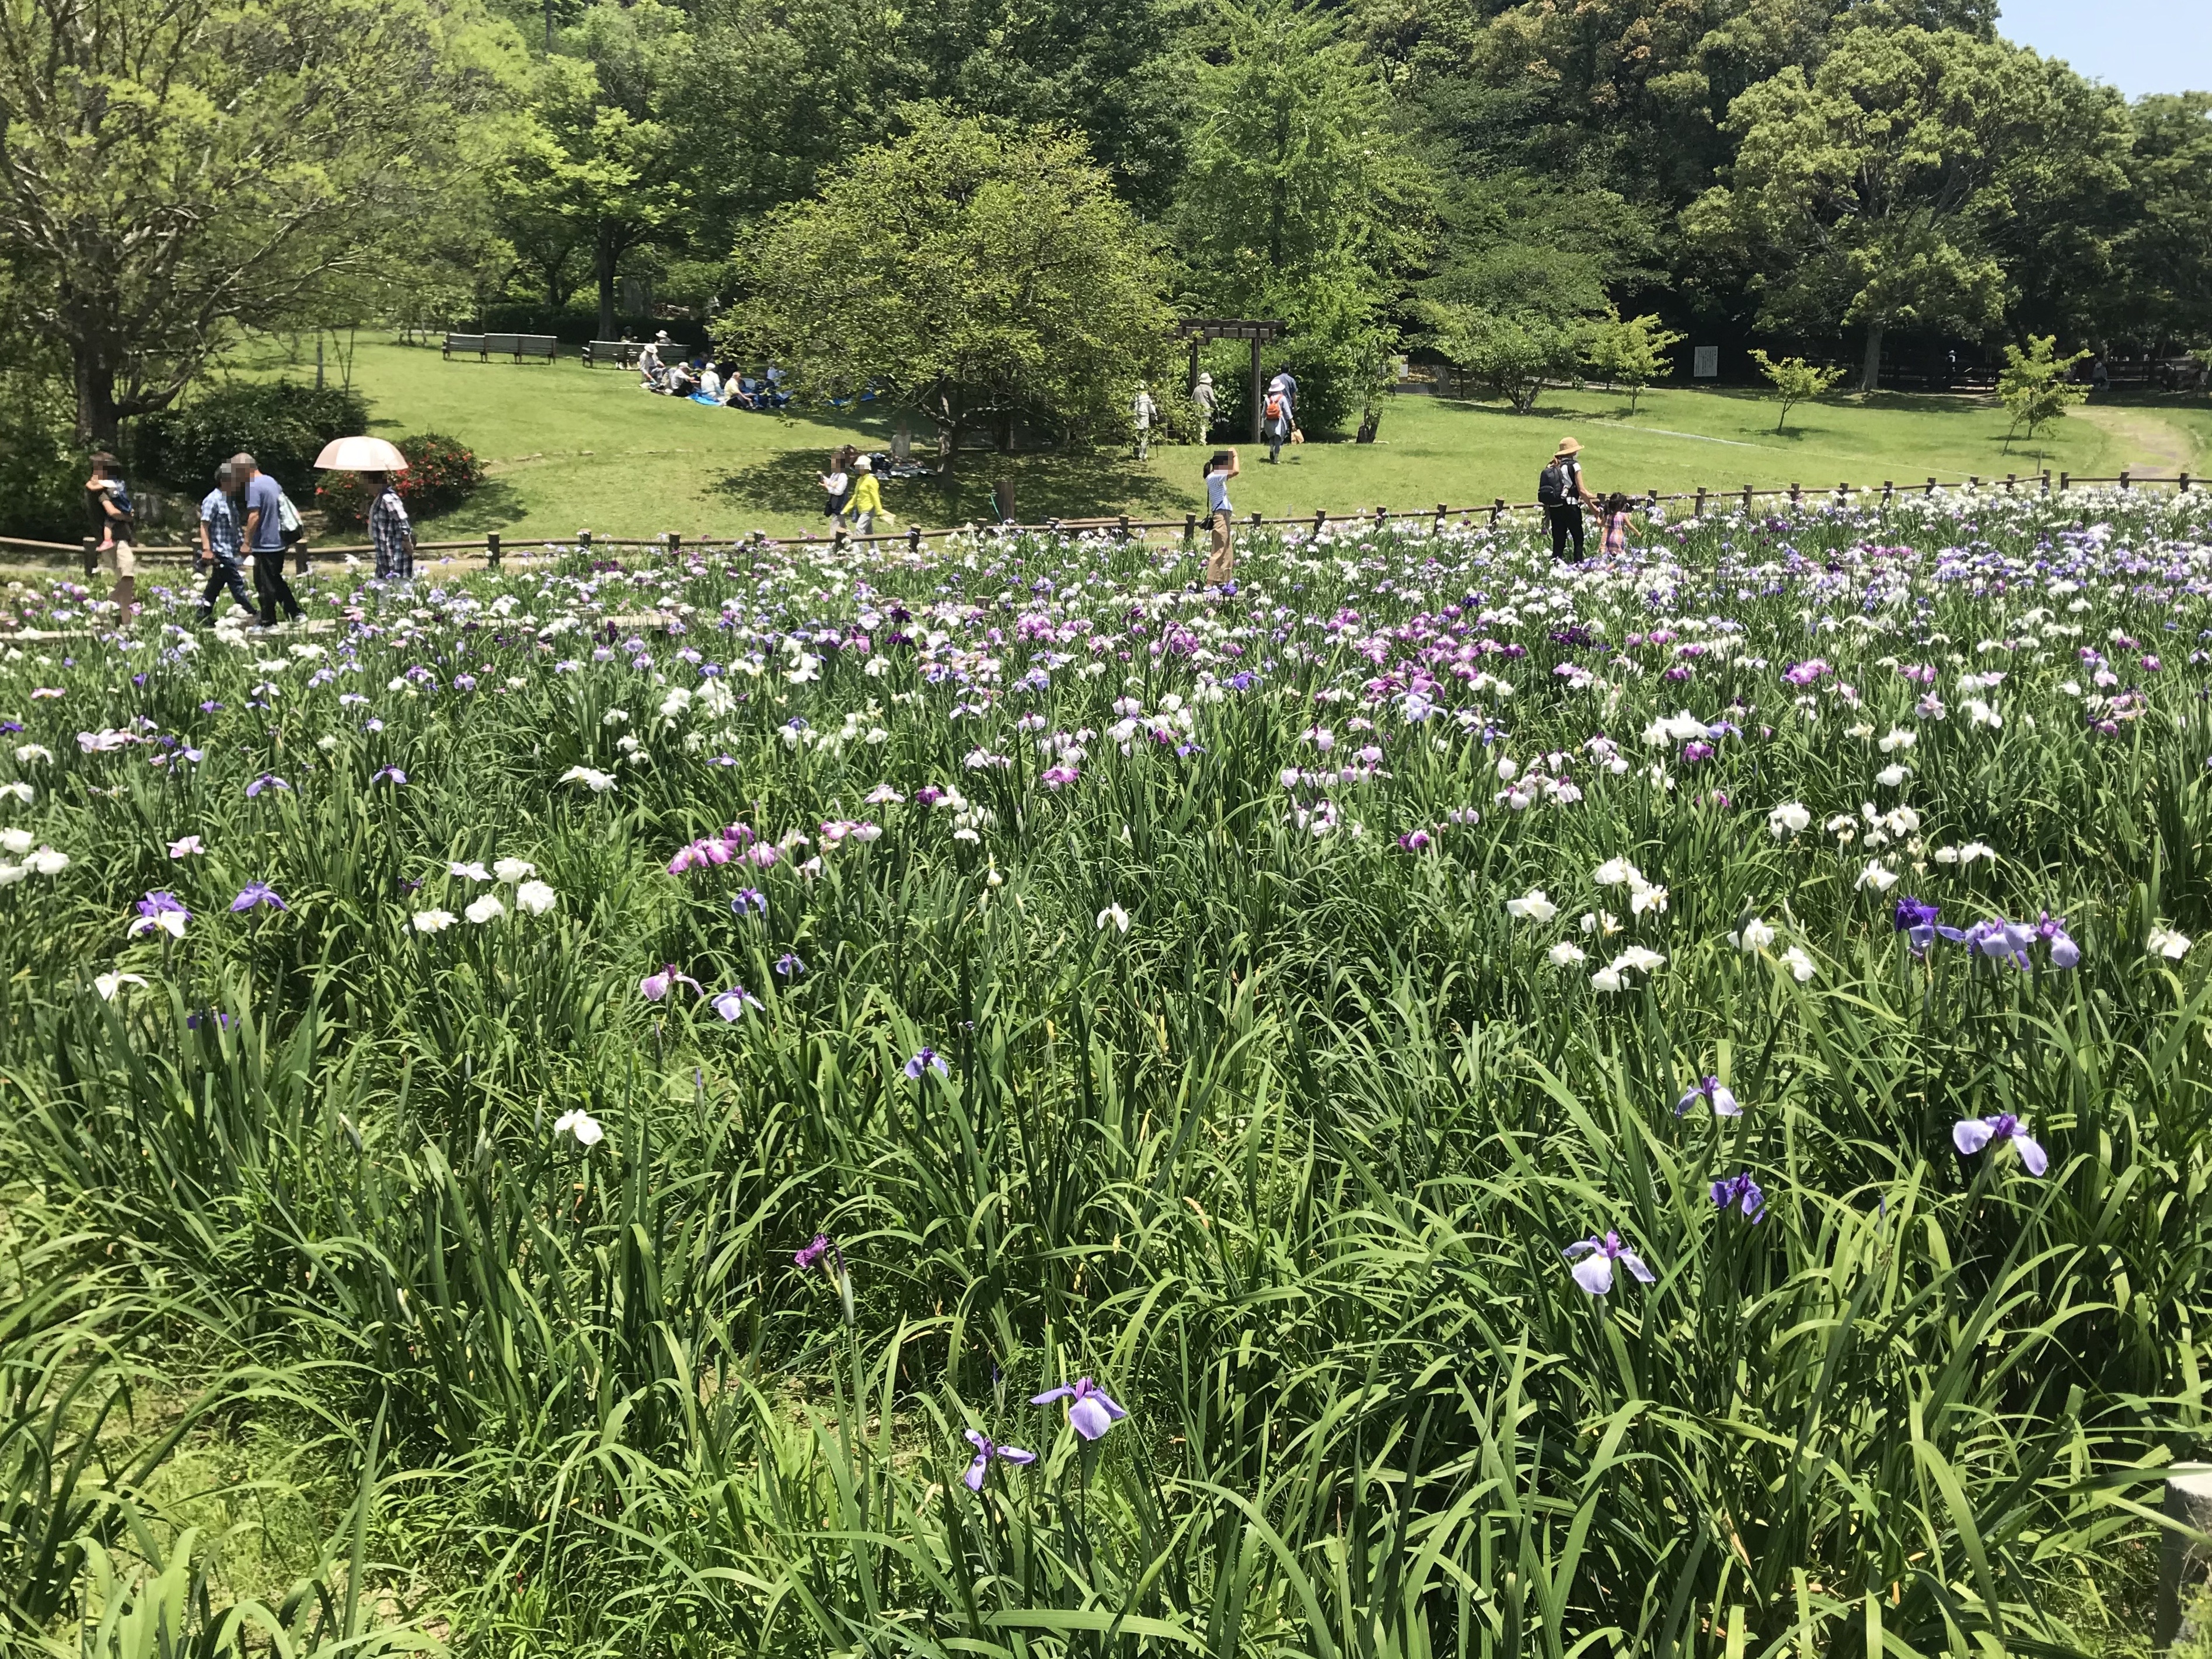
(1320, 522)
(1795, 495)
(91, 557)
(2184, 484)
(1974, 481)
(491, 549)
(300, 556)
(1888, 491)
(2065, 479)
(1651, 500)
(1931, 486)
(1843, 497)
(1496, 511)
(675, 543)
(1699, 512)
(583, 541)
(1189, 529)
(2123, 478)
(1746, 500)
(2011, 478)
(1381, 513)
(1443, 510)
(2046, 481)
(914, 539)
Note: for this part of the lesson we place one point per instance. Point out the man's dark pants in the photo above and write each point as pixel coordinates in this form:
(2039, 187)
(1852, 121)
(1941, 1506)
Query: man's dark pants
(1566, 520)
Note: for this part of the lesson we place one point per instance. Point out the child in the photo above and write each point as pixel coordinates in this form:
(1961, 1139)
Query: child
(836, 483)
(1616, 525)
(1222, 562)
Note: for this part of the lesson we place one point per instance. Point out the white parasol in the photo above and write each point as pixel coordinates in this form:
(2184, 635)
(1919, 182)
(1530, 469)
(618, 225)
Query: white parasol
(362, 454)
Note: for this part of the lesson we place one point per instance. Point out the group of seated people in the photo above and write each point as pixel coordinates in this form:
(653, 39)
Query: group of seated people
(661, 369)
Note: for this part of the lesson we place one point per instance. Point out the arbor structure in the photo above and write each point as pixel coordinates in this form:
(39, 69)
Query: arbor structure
(173, 170)
(976, 274)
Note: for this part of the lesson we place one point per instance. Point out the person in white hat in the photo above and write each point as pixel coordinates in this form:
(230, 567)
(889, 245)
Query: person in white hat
(1205, 403)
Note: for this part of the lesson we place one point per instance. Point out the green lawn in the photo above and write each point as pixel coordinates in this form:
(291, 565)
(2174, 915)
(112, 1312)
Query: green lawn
(570, 448)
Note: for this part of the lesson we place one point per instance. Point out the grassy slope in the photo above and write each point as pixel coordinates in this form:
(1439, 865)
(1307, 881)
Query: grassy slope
(570, 448)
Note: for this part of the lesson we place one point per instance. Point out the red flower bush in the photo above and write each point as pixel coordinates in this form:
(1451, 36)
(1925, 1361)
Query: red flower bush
(442, 473)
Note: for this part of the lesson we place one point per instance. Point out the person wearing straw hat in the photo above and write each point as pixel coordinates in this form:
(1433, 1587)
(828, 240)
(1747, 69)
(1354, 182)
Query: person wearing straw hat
(1560, 492)
(389, 529)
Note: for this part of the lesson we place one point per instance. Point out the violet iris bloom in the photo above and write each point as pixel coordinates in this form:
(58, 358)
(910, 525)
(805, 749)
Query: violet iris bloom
(1593, 1258)
(732, 1003)
(928, 1059)
(1712, 1089)
(2064, 952)
(1970, 1134)
(814, 1252)
(1090, 1409)
(266, 781)
(986, 1450)
(388, 774)
(1916, 920)
(749, 897)
(257, 893)
(1740, 1190)
(653, 986)
(788, 964)
(162, 911)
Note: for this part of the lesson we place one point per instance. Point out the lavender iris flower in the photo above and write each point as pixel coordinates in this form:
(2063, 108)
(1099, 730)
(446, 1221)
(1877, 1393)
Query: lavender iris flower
(1916, 920)
(257, 893)
(815, 1251)
(788, 964)
(1593, 1258)
(162, 911)
(1711, 1089)
(1970, 1134)
(1090, 1409)
(732, 1003)
(653, 986)
(986, 1450)
(751, 896)
(388, 774)
(928, 1060)
(266, 781)
(1740, 1190)
(2064, 952)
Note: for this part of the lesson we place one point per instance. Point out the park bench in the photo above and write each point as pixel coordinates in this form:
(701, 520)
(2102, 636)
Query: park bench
(468, 343)
(623, 354)
(546, 346)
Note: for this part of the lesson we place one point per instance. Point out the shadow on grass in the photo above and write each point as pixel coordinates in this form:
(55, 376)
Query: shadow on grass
(1093, 484)
(495, 504)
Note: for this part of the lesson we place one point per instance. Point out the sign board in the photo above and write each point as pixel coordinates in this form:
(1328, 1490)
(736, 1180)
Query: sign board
(1705, 362)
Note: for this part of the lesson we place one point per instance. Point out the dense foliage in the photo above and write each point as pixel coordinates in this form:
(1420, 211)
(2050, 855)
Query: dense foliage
(282, 424)
(444, 1029)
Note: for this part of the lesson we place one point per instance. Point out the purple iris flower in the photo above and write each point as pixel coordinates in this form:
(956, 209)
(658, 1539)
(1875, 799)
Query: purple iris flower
(1740, 1190)
(1713, 1089)
(928, 1059)
(653, 986)
(2064, 952)
(1970, 1134)
(1090, 1409)
(749, 897)
(388, 774)
(257, 893)
(788, 964)
(814, 1252)
(266, 781)
(732, 1003)
(152, 911)
(1998, 939)
(1593, 1258)
(1916, 920)
(986, 1450)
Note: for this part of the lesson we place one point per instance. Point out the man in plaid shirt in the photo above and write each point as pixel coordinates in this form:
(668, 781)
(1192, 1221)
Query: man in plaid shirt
(220, 544)
(389, 529)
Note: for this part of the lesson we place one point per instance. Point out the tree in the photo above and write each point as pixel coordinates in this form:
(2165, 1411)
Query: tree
(2165, 281)
(1864, 192)
(2033, 384)
(974, 273)
(171, 172)
(1300, 203)
(1514, 313)
(1633, 352)
(1795, 381)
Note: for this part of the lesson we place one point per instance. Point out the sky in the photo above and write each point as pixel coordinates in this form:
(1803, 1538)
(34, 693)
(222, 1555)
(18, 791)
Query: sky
(2137, 45)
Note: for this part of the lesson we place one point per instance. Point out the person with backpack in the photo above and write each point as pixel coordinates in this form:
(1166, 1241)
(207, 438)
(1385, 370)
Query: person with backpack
(1275, 423)
(1560, 493)
(107, 505)
(266, 524)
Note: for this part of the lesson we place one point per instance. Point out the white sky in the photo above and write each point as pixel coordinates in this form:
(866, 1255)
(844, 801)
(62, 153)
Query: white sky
(2137, 45)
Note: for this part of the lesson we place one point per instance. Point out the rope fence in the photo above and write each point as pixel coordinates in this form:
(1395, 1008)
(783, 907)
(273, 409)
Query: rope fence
(493, 548)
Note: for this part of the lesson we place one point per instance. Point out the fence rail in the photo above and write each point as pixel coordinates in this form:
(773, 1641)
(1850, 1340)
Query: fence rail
(494, 547)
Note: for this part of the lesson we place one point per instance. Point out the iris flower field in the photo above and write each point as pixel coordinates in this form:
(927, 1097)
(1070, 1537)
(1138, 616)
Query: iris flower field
(1000, 1103)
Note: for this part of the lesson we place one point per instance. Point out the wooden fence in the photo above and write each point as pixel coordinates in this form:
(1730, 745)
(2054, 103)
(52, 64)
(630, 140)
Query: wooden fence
(493, 548)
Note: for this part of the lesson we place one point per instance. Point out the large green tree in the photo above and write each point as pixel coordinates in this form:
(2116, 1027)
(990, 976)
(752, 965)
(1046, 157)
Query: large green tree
(2165, 278)
(173, 170)
(976, 273)
(1875, 193)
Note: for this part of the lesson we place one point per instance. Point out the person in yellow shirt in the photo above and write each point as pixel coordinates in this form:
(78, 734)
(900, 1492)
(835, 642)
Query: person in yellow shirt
(867, 501)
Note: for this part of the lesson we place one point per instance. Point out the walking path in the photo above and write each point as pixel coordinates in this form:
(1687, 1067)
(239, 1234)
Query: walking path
(2154, 445)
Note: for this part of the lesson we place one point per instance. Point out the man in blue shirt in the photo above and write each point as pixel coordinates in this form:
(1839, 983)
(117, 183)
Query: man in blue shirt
(264, 539)
(219, 543)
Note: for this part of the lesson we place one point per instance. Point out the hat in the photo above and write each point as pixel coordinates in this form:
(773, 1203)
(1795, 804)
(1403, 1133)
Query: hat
(660, 336)
(861, 464)
(1567, 446)
(1205, 379)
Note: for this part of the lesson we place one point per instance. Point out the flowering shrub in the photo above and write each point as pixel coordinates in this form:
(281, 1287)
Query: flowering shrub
(442, 472)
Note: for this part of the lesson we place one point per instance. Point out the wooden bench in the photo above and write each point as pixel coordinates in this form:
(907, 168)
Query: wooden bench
(623, 354)
(546, 346)
(473, 344)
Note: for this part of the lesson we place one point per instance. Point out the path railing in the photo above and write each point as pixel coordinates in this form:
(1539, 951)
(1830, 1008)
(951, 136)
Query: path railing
(493, 547)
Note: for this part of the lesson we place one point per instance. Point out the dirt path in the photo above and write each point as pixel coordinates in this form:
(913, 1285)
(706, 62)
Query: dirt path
(2148, 444)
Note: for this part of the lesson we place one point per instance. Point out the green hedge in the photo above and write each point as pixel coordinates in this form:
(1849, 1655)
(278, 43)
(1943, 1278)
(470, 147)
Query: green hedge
(282, 424)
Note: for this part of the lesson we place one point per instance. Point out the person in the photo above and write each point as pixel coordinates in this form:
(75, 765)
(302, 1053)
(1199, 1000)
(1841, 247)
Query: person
(2101, 374)
(837, 484)
(1286, 385)
(264, 539)
(220, 544)
(1221, 562)
(389, 529)
(107, 505)
(1205, 402)
(651, 374)
(867, 497)
(1275, 423)
(1560, 493)
(1616, 525)
(710, 385)
(1141, 410)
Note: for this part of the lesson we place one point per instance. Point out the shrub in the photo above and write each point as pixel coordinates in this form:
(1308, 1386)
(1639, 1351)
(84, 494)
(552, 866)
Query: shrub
(42, 471)
(442, 473)
(282, 424)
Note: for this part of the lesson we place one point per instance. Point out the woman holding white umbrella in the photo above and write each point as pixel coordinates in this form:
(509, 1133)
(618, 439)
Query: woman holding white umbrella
(389, 527)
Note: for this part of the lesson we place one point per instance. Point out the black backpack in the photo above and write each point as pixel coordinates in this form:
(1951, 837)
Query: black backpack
(1552, 486)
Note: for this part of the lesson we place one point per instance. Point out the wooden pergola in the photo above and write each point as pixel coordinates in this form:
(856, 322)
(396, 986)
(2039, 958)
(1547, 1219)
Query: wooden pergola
(1197, 329)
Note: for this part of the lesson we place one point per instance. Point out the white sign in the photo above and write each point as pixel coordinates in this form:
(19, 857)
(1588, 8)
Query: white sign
(1705, 362)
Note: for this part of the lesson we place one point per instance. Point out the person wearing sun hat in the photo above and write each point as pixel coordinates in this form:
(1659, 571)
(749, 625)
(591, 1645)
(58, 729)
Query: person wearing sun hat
(1560, 492)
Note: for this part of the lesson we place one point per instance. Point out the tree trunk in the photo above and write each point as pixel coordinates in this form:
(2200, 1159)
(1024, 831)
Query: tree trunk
(96, 418)
(1870, 377)
(948, 446)
(605, 254)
